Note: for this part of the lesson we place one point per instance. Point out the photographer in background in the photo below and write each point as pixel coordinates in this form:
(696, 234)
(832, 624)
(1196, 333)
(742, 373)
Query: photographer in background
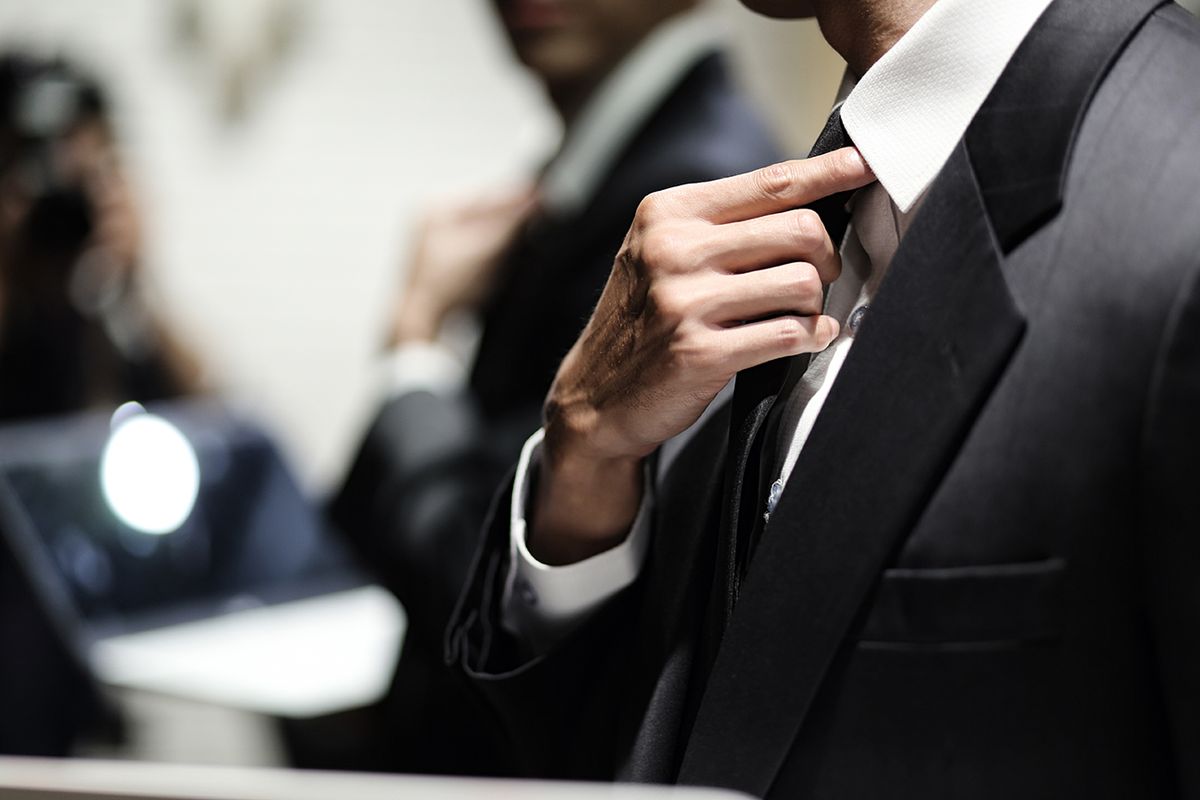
(75, 333)
(75, 329)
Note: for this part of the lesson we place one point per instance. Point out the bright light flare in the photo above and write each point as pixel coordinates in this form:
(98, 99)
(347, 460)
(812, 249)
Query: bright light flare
(149, 472)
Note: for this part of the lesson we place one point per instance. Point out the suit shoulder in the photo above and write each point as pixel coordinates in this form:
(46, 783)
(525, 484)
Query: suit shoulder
(1172, 36)
(1132, 188)
(1175, 21)
(703, 130)
(1138, 149)
(707, 128)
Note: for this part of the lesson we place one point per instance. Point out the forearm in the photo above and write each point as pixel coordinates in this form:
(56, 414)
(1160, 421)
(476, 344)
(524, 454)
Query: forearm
(584, 504)
(418, 319)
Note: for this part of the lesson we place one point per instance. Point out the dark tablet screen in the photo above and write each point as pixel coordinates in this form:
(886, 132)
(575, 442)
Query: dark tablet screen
(248, 536)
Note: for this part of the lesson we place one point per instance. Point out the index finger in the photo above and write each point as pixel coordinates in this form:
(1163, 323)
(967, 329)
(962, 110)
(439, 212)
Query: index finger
(782, 186)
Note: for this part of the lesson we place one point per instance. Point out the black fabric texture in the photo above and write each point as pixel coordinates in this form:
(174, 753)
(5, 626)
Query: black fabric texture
(421, 484)
(980, 581)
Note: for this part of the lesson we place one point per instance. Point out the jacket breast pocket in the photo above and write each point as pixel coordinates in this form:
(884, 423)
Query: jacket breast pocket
(966, 607)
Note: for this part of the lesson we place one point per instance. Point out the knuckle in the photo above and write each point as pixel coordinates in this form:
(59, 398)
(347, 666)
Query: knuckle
(658, 250)
(808, 229)
(803, 281)
(667, 303)
(791, 333)
(648, 211)
(688, 352)
(776, 180)
(687, 253)
(671, 249)
(653, 208)
(649, 208)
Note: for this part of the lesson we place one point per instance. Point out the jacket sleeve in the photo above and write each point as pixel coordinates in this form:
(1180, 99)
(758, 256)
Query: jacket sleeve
(1171, 529)
(414, 497)
(560, 707)
(610, 698)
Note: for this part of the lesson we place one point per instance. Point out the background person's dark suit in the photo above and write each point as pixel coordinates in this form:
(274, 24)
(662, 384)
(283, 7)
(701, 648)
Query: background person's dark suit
(982, 578)
(422, 482)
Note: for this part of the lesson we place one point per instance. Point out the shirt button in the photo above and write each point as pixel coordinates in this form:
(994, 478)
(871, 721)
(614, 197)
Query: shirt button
(856, 319)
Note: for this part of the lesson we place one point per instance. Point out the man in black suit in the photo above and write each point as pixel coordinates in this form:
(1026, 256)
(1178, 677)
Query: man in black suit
(648, 102)
(943, 539)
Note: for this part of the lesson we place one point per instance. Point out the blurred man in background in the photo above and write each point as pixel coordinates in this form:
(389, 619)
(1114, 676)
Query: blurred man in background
(75, 328)
(647, 102)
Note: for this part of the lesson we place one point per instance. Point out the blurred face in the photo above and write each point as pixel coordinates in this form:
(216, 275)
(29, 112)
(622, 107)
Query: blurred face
(92, 153)
(42, 235)
(576, 42)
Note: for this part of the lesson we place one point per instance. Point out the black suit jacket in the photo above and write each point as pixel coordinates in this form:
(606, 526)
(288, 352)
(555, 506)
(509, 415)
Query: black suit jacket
(420, 486)
(981, 580)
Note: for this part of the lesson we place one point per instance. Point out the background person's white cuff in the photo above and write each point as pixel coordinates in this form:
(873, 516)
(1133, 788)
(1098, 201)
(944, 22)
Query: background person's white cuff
(422, 367)
(543, 603)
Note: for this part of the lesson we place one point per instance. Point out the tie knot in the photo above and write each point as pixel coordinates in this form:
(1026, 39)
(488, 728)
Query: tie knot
(832, 209)
(833, 135)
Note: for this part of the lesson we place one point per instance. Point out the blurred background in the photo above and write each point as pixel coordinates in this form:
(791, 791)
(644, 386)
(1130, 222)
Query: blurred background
(218, 199)
(257, 173)
(282, 148)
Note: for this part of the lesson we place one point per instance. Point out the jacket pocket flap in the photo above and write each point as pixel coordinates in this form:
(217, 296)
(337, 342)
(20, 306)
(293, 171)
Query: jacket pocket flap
(985, 604)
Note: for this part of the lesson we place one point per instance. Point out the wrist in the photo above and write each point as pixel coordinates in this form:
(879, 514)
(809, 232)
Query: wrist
(585, 504)
(418, 319)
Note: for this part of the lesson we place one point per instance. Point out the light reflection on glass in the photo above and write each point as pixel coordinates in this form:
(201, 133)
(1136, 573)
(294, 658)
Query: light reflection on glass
(149, 472)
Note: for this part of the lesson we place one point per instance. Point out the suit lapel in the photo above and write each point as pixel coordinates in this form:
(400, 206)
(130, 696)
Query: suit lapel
(1021, 140)
(941, 331)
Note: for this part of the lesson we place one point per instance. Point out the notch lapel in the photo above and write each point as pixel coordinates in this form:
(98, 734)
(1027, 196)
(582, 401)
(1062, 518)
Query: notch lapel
(1021, 140)
(941, 332)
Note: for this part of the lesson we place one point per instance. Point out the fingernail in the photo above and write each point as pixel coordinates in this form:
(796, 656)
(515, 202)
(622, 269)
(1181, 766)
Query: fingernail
(857, 156)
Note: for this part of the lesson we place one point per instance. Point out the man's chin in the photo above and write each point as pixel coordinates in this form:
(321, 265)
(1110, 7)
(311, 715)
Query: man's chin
(781, 9)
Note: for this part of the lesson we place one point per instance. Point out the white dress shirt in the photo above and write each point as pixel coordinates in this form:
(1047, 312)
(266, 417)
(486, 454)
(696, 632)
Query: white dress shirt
(905, 115)
(610, 118)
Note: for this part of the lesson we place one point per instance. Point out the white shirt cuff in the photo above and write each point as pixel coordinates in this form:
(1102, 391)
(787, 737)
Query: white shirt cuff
(417, 367)
(543, 603)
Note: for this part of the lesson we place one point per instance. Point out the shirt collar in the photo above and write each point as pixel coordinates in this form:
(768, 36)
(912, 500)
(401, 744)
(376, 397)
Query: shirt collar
(910, 109)
(620, 105)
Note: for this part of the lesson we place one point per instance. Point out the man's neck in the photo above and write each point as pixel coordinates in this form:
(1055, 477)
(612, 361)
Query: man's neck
(861, 31)
(569, 98)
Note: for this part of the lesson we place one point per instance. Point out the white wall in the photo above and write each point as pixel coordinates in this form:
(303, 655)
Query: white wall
(277, 244)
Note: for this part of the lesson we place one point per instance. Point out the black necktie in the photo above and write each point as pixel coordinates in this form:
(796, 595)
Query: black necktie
(754, 397)
(741, 500)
